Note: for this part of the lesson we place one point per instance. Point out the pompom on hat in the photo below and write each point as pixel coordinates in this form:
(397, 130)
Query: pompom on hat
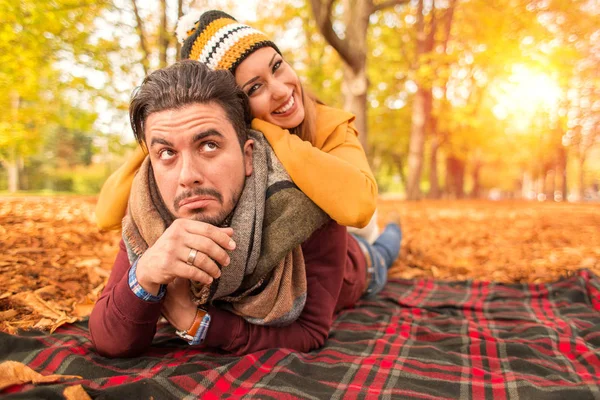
(216, 39)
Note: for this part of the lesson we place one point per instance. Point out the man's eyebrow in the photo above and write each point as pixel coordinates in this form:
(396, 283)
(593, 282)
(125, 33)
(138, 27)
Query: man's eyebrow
(205, 134)
(256, 77)
(160, 141)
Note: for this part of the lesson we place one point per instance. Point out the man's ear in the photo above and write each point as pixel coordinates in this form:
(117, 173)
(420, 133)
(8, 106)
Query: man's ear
(248, 154)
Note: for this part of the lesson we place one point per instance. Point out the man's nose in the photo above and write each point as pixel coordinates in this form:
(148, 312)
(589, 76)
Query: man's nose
(190, 174)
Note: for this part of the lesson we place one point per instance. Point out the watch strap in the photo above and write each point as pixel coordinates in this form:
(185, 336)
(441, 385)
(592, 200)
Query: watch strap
(197, 332)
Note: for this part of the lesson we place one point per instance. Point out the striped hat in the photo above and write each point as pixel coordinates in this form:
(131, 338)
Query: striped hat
(218, 40)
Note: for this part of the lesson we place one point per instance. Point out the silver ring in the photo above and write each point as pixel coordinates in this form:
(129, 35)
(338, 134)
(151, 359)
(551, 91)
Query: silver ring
(192, 257)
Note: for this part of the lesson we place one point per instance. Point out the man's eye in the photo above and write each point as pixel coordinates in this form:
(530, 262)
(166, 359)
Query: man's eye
(166, 154)
(210, 146)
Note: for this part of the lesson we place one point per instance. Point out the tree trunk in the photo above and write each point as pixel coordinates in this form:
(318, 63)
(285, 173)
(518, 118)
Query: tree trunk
(561, 172)
(476, 174)
(163, 36)
(455, 170)
(418, 119)
(179, 15)
(354, 88)
(12, 167)
(580, 177)
(139, 27)
(352, 49)
(399, 160)
(437, 138)
(434, 184)
(416, 146)
(12, 163)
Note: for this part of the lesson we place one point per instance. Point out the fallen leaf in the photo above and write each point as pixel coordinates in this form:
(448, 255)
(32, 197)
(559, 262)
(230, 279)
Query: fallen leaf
(8, 314)
(44, 323)
(76, 392)
(83, 309)
(16, 373)
(33, 301)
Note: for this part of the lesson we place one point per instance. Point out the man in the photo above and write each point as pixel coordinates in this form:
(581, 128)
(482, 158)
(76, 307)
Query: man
(193, 123)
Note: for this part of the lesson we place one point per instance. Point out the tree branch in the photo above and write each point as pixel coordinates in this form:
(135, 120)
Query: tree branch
(388, 3)
(140, 30)
(164, 40)
(323, 15)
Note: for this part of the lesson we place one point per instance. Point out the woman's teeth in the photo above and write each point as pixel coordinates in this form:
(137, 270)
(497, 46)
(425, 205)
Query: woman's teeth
(285, 107)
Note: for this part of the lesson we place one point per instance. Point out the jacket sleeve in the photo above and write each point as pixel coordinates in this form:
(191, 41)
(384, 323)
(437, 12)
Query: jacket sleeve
(122, 324)
(325, 258)
(112, 201)
(335, 174)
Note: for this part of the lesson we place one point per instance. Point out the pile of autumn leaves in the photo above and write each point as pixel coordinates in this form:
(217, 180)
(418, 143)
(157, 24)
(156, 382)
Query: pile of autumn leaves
(54, 262)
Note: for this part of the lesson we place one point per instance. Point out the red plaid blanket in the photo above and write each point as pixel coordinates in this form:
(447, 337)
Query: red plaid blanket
(419, 339)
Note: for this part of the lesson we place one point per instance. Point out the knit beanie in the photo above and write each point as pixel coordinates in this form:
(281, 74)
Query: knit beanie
(218, 40)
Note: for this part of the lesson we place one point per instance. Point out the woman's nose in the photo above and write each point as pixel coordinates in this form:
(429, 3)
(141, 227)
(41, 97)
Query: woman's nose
(278, 89)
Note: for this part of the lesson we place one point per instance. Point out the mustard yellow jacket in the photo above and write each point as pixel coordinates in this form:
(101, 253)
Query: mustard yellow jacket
(334, 173)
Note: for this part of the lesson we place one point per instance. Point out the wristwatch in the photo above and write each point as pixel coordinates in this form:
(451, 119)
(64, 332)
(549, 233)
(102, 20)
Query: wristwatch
(197, 332)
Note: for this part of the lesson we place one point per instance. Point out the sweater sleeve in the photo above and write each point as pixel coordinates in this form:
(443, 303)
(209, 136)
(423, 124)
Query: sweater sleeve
(112, 201)
(122, 324)
(334, 173)
(325, 257)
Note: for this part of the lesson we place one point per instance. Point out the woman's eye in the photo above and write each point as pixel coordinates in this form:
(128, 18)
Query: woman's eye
(210, 146)
(277, 65)
(253, 89)
(166, 154)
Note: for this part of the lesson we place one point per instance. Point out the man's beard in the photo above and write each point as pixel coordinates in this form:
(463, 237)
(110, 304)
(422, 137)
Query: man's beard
(197, 214)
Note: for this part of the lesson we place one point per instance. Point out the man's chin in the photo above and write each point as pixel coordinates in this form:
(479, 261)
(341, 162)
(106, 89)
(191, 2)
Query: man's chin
(201, 216)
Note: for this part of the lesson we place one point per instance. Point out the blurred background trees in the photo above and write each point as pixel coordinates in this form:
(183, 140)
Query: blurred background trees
(453, 98)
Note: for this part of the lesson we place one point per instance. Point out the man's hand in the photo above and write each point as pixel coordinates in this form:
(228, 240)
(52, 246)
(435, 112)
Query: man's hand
(178, 307)
(167, 258)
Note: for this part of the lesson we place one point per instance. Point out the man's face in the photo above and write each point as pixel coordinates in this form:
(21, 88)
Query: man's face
(198, 164)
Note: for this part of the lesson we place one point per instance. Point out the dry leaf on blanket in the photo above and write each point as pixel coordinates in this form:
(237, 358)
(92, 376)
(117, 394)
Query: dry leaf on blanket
(83, 309)
(16, 373)
(8, 314)
(53, 315)
(76, 392)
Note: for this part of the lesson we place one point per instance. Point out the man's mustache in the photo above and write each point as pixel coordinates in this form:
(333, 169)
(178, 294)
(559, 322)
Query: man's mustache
(196, 192)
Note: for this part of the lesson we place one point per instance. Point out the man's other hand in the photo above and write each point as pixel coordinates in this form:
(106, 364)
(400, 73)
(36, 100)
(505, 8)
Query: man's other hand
(167, 258)
(178, 307)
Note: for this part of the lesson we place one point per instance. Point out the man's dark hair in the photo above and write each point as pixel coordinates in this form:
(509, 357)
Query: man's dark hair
(185, 83)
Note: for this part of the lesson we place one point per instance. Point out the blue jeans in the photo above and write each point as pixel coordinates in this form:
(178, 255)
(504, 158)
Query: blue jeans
(382, 253)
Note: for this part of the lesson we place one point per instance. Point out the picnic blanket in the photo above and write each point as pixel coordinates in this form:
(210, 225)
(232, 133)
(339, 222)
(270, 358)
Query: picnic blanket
(421, 339)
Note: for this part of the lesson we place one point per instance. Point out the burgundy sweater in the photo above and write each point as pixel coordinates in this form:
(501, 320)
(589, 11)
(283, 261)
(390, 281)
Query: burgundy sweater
(123, 325)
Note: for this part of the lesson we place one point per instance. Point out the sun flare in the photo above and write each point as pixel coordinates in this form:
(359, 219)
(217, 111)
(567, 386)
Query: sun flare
(524, 94)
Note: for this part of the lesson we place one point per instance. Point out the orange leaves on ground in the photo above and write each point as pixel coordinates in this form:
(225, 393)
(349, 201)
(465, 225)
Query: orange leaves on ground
(15, 373)
(53, 261)
(511, 241)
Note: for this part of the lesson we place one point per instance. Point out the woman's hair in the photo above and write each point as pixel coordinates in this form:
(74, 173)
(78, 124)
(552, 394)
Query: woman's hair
(307, 130)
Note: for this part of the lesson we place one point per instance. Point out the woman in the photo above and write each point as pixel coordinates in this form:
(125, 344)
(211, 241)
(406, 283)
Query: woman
(318, 145)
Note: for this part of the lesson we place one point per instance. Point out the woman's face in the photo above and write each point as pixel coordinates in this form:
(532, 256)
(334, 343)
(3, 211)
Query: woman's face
(272, 87)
